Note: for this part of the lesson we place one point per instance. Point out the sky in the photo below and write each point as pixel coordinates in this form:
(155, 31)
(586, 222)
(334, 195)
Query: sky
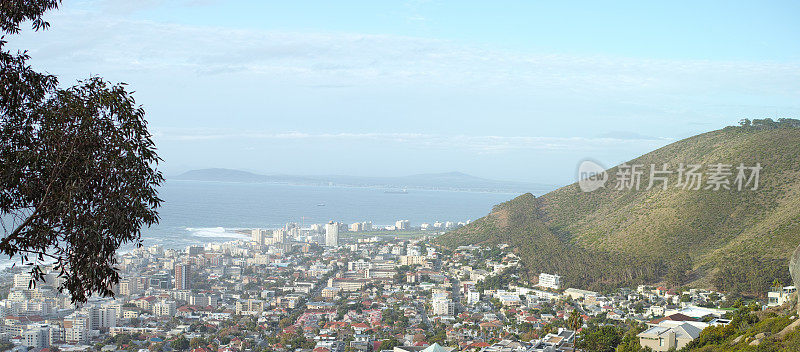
(508, 90)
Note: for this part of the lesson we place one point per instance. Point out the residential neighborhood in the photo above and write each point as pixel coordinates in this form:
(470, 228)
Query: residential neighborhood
(273, 293)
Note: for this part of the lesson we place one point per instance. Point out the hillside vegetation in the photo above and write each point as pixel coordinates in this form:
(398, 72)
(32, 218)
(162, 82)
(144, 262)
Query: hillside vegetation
(737, 241)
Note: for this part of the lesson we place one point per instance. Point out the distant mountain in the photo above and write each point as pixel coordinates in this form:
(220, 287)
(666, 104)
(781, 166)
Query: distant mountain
(737, 241)
(228, 175)
(440, 181)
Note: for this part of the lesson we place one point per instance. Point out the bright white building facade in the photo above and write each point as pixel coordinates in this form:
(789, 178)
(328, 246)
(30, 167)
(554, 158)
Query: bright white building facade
(550, 281)
(332, 234)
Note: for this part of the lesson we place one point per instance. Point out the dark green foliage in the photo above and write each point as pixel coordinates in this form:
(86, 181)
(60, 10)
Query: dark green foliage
(517, 222)
(16, 12)
(743, 329)
(394, 317)
(599, 338)
(494, 282)
(575, 320)
(180, 344)
(77, 171)
(750, 275)
(630, 342)
(678, 269)
(389, 344)
(765, 124)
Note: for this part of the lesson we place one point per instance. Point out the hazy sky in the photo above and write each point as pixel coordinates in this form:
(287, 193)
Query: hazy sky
(517, 90)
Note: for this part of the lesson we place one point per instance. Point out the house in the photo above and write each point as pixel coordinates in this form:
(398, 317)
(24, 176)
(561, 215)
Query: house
(560, 341)
(360, 328)
(779, 295)
(664, 338)
(673, 317)
(698, 312)
(508, 346)
(476, 345)
(616, 314)
(329, 346)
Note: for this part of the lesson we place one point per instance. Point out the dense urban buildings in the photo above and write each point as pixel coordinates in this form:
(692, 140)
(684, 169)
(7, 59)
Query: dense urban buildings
(309, 289)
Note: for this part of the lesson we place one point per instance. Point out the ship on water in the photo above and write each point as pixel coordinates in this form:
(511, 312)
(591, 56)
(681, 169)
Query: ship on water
(396, 191)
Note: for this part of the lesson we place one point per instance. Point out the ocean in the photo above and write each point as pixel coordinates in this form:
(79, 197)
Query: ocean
(197, 212)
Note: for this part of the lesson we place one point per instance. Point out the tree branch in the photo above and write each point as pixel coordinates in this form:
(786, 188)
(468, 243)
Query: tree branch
(14, 234)
(41, 253)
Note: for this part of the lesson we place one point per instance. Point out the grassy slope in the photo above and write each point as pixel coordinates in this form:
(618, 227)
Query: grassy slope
(641, 225)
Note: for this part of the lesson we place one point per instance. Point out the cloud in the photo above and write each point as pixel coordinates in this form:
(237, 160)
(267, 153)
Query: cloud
(482, 144)
(96, 41)
(467, 98)
(127, 7)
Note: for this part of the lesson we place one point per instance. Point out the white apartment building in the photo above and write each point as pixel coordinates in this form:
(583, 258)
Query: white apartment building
(40, 335)
(164, 308)
(76, 328)
(203, 300)
(402, 225)
(128, 287)
(22, 280)
(550, 281)
(473, 297)
(332, 234)
(443, 307)
(260, 235)
(347, 285)
(250, 307)
(280, 236)
(101, 317)
(359, 265)
(412, 260)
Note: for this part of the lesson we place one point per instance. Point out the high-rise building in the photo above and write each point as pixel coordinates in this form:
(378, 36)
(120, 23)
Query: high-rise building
(76, 328)
(40, 335)
(402, 225)
(443, 306)
(128, 286)
(100, 317)
(332, 234)
(473, 297)
(259, 235)
(182, 280)
(195, 250)
(279, 236)
(22, 281)
(164, 308)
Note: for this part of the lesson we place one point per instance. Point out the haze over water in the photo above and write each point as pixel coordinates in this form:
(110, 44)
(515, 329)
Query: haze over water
(197, 212)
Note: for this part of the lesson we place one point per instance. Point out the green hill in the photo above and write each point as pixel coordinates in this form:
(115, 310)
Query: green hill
(736, 241)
